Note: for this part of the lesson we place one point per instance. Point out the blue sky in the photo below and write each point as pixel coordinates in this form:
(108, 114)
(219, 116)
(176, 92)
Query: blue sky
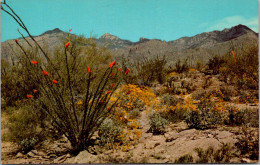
(130, 19)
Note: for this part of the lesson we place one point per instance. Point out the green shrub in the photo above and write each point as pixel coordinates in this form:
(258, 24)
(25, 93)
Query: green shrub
(215, 63)
(171, 100)
(222, 155)
(184, 159)
(110, 133)
(24, 128)
(27, 144)
(206, 116)
(158, 124)
(134, 114)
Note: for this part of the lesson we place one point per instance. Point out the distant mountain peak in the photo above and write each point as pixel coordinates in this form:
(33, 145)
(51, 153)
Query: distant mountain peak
(109, 36)
(56, 30)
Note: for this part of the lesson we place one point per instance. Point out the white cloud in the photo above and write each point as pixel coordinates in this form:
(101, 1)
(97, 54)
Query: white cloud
(228, 22)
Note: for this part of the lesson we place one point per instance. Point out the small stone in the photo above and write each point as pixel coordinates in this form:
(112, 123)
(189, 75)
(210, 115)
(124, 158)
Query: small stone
(210, 136)
(19, 155)
(131, 137)
(172, 136)
(245, 160)
(151, 144)
(31, 154)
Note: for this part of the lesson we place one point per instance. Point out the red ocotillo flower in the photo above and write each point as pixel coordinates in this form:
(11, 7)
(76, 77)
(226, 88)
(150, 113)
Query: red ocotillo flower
(67, 44)
(70, 30)
(55, 82)
(45, 73)
(112, 85)
(34, 62)
(16, 40)
(101, 102)
(119, 69)
(35, 91)
(127, 71)
(29, 96)
(108, 92)
(108, 108)
(89, 71)
(113, 74)
(128, 92)
(234, 56)
(112, 64)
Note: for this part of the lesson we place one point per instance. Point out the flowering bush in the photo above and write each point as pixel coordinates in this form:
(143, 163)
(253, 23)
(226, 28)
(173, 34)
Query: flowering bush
(77, 111)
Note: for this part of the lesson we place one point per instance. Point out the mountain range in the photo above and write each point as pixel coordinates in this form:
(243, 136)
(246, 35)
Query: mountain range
(199, 47)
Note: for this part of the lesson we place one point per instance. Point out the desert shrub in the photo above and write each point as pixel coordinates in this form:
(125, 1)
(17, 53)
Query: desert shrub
(110, 133)
(158, 124)
(188, 85)
(171, 100)
(184, 159)
(248, 117)
(222, 155)
(198, 94)
(134, 114)
(228, 92)
(215, 63)
(244, 68)
(180, 68)
(199, 65)
(27, 144)
(246, 97)
(205, 116)
(248, 143)
(207, 82)
(149, 70)
(24, 128)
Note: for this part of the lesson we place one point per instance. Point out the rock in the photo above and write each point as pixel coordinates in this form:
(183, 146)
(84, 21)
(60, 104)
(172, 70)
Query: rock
(172, 136)
(60, 159)
(147, 135)
(158, 138)
(131, 137)
(223, 134)
(151, 144)
(32, 153)
(245, 160)
(19, 155)
(85, 157)
(41, 153)
(210, 136)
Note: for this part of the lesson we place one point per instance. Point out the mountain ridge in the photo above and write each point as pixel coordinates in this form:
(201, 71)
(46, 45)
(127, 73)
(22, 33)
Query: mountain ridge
(208, 42)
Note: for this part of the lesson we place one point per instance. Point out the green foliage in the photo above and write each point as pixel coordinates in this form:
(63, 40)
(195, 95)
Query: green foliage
(171, 100)
(158, 124)
(184, 159)
(149, 70)
(27, 144)
(134, 114)
(206, 116)
(215, 63)
(222, 155)
(24, 127)
(110, 133)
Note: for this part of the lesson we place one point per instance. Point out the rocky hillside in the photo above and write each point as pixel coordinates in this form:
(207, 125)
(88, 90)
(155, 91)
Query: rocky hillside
(198, 47)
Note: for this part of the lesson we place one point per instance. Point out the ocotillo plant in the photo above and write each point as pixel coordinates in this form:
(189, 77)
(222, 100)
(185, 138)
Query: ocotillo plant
(76, 118)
